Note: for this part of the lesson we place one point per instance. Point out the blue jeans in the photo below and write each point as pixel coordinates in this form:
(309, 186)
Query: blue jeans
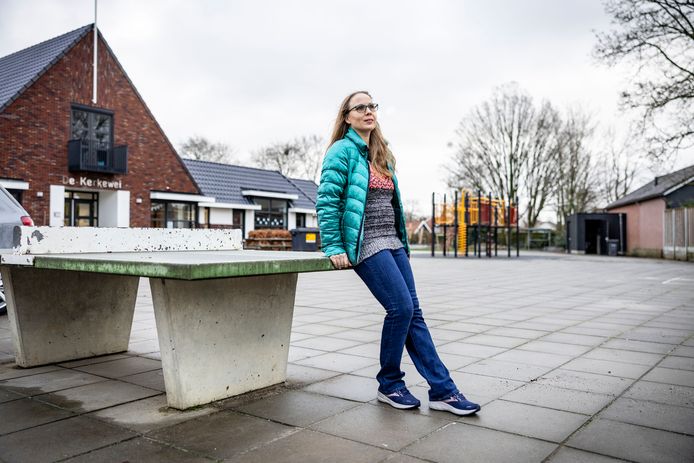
(388, 276)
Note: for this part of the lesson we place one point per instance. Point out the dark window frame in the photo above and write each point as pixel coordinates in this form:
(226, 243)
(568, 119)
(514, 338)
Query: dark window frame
(167, 208)
(69, 195)
(267, 213)
(89, 109)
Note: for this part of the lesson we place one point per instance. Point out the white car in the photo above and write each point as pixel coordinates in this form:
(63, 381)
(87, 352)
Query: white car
(12, 214)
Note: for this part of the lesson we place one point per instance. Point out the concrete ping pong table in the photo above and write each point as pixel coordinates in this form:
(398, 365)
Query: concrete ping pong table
(223, 315)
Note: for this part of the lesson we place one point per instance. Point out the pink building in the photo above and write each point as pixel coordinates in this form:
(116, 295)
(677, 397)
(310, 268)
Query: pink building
(645, 210)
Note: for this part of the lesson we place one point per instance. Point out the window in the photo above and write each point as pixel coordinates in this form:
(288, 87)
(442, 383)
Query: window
(81, 209)
(168, 214)
(300, 220)
(273, 213)
(91, 125)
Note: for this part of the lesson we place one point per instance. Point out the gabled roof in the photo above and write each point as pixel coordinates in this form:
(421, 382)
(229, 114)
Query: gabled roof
(226, 183)
(21, 69)
(659, 187)
(308, 189)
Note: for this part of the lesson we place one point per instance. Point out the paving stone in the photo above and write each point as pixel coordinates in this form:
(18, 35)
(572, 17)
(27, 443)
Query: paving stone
(143, 347)
(495, 341)
(517, 333)
(680, 363)
(348, 387)
(223, 434)
(59, 440)
(470, 350)
(370, 350)
(7, 396)
(326, 343)
(122, 367)
(139, 450)
(607, 367)
(318, 330)
(579, 339)
(27, 413)
(148, 414)
(478, 444)
(631, 442)
(313, 447)
(473, 385)
(625, 356)
(93, 360)
(337, 362)
(652, 334)
(671, 376)
(680, 396)
(510, 370)
(299, 375)
(528, 420)
(358, 335)
(297, 408)
(533, 358)
(569, 455)
(684, 351)
(383, 427)
(49, 382)
(13, 371)
(558, 398)
(152, 379)
(300, 353)
(638, 346)
(96, 396)
(555, 348)
(651, 414)
(400, 458)
(582, 381)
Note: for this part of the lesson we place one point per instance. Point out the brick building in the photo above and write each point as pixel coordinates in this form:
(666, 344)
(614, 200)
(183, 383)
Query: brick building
(73, 162)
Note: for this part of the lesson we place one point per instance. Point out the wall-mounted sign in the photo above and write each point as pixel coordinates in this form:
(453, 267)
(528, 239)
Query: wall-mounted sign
(93, 182)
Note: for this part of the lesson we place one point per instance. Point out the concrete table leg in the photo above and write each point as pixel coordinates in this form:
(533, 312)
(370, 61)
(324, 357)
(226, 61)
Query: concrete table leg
(222, 337)
(58, 315)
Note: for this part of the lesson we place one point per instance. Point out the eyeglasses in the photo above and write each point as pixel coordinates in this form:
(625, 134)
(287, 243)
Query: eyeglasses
(361, 108)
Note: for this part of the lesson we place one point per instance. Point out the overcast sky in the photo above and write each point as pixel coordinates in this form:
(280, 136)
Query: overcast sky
(252, 72)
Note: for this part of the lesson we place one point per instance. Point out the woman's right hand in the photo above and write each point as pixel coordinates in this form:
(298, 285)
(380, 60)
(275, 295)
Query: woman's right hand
(340, 261)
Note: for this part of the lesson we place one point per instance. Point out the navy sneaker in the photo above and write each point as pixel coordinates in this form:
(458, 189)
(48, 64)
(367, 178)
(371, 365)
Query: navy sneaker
(402, 399)
(457, 403)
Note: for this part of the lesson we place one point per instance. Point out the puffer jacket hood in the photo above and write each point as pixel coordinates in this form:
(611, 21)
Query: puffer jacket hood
(341, 198)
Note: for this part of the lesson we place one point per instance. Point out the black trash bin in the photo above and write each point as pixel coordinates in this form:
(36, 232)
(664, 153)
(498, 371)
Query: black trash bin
(305, 239)
(612, 247)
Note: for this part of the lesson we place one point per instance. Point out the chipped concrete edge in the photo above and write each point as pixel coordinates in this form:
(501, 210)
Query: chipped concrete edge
(69, 240)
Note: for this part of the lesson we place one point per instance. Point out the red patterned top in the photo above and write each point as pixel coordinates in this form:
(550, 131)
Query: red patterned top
(379, 181)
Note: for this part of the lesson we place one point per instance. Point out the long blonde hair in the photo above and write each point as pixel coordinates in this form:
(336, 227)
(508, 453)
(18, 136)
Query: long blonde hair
(379, 154)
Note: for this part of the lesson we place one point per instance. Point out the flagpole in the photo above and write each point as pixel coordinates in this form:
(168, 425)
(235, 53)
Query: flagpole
(96, 35)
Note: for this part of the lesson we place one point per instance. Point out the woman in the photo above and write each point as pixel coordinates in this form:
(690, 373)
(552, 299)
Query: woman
(362, 226)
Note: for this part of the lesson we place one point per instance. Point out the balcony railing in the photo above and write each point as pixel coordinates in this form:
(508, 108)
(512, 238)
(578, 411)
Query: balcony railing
(94, 156)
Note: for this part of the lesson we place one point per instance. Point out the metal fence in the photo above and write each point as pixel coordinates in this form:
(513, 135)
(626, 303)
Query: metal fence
(678, 233)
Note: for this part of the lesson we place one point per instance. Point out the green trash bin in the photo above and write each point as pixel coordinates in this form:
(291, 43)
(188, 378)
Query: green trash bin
(305, 239)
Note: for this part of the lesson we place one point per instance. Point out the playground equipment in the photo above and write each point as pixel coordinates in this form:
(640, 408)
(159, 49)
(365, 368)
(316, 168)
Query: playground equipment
(474, 219)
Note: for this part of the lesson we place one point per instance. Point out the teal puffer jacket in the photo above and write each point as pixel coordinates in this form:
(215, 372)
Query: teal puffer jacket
(341, 198)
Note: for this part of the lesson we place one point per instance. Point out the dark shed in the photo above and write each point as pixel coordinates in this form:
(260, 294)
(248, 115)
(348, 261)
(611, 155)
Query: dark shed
(591, 233)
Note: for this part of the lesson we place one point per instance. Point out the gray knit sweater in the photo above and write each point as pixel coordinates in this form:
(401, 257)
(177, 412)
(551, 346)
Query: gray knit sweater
(379, 218)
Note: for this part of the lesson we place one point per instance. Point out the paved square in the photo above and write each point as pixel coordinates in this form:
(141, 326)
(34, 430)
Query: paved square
(575, 358)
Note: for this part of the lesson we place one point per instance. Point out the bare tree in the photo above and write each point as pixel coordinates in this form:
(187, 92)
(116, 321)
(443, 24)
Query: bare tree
(658, 37)
(576, 184)
(506, 146)
(617, 167)
(301, 157)
(200, 148)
